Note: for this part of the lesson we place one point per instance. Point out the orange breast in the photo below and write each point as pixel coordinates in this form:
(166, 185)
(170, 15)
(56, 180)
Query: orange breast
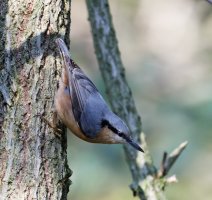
(64, 110)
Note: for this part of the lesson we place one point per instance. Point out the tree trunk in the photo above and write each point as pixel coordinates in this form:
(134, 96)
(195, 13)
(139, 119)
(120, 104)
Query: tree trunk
(33, 161)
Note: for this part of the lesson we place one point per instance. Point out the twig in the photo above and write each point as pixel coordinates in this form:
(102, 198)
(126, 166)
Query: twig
(168, 162)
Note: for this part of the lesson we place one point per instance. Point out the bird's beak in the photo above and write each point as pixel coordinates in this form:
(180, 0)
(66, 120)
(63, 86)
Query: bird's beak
(130, 141)
(135, 145)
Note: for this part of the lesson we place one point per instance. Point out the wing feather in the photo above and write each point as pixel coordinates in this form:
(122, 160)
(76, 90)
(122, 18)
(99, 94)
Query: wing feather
(87, 103)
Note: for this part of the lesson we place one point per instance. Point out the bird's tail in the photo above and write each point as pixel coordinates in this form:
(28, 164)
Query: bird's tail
(131, 142)
(65, 54)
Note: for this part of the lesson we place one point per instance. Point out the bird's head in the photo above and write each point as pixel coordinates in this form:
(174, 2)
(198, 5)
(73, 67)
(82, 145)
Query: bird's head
(117, 126)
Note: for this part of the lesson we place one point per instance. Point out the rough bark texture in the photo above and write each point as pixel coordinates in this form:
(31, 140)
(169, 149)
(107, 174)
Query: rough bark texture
(33, 161)
(146, 182)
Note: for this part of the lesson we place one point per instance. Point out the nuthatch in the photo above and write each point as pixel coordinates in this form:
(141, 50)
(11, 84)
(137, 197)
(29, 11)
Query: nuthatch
(83, 110)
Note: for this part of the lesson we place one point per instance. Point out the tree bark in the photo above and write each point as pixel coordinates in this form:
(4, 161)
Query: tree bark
(148, 182)
(33, 161)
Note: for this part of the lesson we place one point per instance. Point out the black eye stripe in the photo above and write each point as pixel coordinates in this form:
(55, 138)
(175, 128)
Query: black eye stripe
(122, 135)
(106, 123)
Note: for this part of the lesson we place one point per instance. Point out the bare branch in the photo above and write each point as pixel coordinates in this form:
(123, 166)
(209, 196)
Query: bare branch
(168, 162)
(146, 184)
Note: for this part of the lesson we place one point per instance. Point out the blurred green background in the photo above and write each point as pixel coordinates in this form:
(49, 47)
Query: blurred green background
(166, 47)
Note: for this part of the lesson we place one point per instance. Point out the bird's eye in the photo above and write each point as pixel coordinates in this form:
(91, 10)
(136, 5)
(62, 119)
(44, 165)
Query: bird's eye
(104, 123)
(120, 134)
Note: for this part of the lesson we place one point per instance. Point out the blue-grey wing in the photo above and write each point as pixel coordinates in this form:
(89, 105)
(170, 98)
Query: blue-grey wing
(87, 104)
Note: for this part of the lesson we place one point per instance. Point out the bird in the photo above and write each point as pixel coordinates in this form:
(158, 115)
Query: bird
(82, 108)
